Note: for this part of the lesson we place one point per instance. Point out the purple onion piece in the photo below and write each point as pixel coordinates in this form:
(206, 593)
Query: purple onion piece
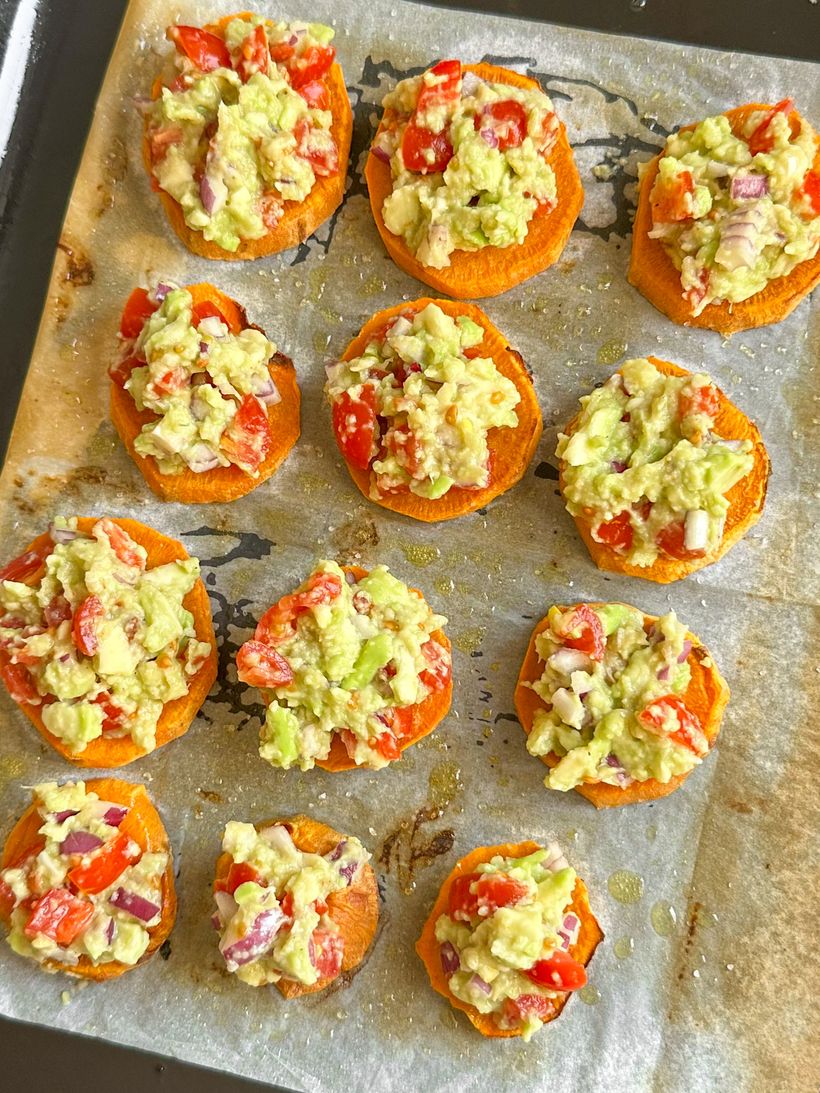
(566, 940)
(161, 291)
(61, 817)
(115, 815)
(349, 871)
(111, 930)
(203, 348)
(207, 195)
(489, 137)
(749, 187)
(80, 842)
(687, 649)
(612, 760)
(480, 985)
(134, 905)
(663, 673)
(617, 466)
(380, 153)
(226, 905)
(62, 535)
(337, 851)
(450, 962)
(255, 943)
(571, 923)
(216, 922)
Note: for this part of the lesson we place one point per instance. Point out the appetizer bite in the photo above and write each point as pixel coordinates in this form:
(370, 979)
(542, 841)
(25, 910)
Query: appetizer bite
(434, 413)
(621, 706)
(296, 904)
(727, 230)
(509, 937)
(661, 472)
(354, 668)
(248, 135)
(206, 406)
(472, 181)
(87, 879)
(106, 639)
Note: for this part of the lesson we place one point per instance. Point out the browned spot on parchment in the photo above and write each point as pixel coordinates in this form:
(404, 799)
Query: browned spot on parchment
(409, 848)
(353, 539)
(211, 795)
(78, 272)
(114, 171)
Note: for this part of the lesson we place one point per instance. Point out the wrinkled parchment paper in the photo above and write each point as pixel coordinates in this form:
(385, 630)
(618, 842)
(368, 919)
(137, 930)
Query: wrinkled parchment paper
(704, 979)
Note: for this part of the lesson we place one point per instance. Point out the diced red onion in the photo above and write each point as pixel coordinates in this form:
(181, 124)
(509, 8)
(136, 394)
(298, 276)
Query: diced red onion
(213, 326)
(337, 851)
(255, 943)
(115, 814)
(663, 673)
(62, 535)
(216, 922)
(268, 392)
(380, 153)
(567, 660)
(80, 842)
(111, 930)
(135, 905)
(617, 466)
(571, 923)
(226, 906)
(489, 137)
(685, 651)
(203, 348)
(161, 291)
(621, 776)
(450, 962)
(749, 187)
(278, 836)
(565, 941)
(202, 458)
(480, 985)
(349, 871)
(207, 195)
(61, 817)
(470, 83)
(555, 860)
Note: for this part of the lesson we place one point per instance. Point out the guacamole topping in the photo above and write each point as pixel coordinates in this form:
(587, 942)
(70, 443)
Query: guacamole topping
(94, 639)
(645, 467)
(735, 211)
(468, 160)
(615, 691)
(505, 938)
(272, 905)
(244, 127)
(208, 386)
(417, 405)
(343, 655)
(86, 889)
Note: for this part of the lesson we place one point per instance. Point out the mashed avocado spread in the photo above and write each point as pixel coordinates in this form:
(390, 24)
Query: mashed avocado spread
(614, 689)
(272, 905)
(504, 941)
(245, 126)
(343, 655)
(417, 405)
(99, 642)
(645, 467)
(734, 212)
(90, 891)
(208, 387)
(468, 160)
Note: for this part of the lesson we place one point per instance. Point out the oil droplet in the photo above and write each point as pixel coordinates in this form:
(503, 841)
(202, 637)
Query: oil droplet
(321, 341)
(469, 640)
(625, 887)
(445, 586)
(651, 833)
(637, 5)
(317, 279)
(373, 285)
(663, 918)
(420, 554)
(11, 766)
(611, 351)
(624, 947)
(589, 995)
(444, 784)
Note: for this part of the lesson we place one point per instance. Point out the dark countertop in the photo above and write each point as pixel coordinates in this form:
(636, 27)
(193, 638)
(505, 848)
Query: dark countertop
(72, 42)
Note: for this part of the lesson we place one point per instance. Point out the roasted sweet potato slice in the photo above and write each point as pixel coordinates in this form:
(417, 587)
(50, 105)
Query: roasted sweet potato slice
(222, 483)
(144, 825)
(492, 270)
(746, 498)
(354, 909)
(177, 715)
(653, 273)
(706, 696)
(300, 218)
(510, 449)
(590, 935)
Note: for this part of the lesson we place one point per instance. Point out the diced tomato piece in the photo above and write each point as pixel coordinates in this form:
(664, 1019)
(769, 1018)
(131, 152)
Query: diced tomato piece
(699, 400)
(138, 308)
(7, 900)
(761, 139)
(107, 863)
(320, 906)
(247, 440)
(516, 1010)
(322, 588)
(671, 199)
(114, 716)
(20, 684)
(253, 54)
(507, 121)
(206, 50)
(175, 379)
(286, 903)
(582, 629)
(617, 532)
(25, 567)
(261, 666)
(282, 51)
(326, 949)
(206, 309)
(310, 66)
(121, 543)
(689, 732)
(387, 746)
(559, 972)
(445, 91)
(84, 627)
(479, 895)
(160, 140)
(437, 675)
(316, 94)
(405, 446)
(120, 372)
(811, 189)
(671, 541)
(355, 426)
(239, 873)
(323, 156)
(424, 151)
(59, 915)
(272, 209)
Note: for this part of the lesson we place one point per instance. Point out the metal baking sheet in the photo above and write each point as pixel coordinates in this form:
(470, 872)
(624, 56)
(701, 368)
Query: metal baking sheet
(706, 897)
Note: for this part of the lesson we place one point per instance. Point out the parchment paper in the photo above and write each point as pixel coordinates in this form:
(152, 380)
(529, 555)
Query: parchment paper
(707, 981)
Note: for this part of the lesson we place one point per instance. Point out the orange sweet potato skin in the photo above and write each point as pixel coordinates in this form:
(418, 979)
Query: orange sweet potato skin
(492, 270)
(706, 696)
(300, 219)
(177, 715)
(354, 909)
(590, 935)
(144, 825)
(746, 498)
(510, 449)
(653, 273)
(223, 483)
(426, 715)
